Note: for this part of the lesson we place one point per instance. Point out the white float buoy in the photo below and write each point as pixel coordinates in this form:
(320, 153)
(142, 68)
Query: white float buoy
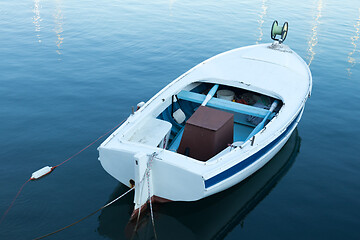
(41, 172)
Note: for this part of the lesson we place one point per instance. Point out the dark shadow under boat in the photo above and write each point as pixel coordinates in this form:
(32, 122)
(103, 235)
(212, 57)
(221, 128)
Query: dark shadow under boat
(210, 218)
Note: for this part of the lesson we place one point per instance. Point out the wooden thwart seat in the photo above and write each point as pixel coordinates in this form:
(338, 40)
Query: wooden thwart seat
(224, 104)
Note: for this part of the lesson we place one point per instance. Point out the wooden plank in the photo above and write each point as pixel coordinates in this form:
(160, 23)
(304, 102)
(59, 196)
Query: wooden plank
(224, 104)
(176, 141)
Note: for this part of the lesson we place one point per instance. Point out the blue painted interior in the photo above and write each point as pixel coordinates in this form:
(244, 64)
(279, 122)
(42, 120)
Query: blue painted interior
(166, 115)
(260, 125)
(176, 141)
(201, 88)
(241, 132)
(189, 101)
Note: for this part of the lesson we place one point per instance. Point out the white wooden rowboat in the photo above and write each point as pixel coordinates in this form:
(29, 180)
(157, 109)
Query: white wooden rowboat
(155, 151)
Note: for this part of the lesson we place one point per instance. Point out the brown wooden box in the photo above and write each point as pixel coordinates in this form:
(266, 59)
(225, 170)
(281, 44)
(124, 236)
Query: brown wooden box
(207, 132)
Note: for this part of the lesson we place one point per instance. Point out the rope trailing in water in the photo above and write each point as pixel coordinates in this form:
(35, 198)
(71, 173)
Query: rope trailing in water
(88, 145)
(50, 169)
(13, 201)
(82, 219)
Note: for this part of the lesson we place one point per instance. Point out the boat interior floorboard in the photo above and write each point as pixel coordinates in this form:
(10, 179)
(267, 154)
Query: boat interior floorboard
(241, 132)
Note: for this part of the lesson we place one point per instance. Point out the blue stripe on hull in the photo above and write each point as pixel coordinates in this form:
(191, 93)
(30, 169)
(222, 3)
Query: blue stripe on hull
(248, 161)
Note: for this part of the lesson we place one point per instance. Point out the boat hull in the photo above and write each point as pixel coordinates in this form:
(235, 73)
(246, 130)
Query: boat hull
(177, 184)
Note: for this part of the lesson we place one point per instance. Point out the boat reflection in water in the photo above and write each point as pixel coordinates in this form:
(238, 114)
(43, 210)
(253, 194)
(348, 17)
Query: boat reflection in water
(185, 220)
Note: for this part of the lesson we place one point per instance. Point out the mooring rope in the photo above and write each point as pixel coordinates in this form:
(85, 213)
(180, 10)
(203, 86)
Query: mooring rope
(74, 155)
(80, 220)
(147, 176)
(68, 159)
(149, 196)
(141, 191)
(13, 201)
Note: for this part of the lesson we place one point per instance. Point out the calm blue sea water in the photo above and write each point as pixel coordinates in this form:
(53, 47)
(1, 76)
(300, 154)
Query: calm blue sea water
(71, 70)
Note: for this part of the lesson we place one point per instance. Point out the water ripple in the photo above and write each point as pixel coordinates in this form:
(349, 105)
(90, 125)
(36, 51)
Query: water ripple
(37, 19)
(264, 8)
(354, 40)
(58, 27)
(314, 39)
(171, 5)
